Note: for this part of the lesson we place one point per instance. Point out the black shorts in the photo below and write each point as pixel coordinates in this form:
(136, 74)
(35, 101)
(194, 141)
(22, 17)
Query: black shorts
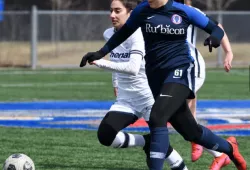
(184, 74)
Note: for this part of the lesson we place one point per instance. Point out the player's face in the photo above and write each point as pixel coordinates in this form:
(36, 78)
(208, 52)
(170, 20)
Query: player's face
(188, 2)
(119, 14)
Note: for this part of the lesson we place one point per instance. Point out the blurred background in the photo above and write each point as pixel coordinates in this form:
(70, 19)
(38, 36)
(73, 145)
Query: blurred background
(56, 33)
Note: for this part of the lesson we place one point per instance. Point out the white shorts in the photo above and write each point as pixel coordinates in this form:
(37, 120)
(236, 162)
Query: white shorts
(140, 108)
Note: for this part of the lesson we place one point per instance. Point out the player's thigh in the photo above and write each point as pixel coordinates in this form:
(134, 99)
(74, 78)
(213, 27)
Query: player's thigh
(118, 117)
(156, 81)
(172, 96)
(143, 107)
(185, 124)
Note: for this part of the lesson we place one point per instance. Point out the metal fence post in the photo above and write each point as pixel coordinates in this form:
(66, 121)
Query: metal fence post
(219, 52)
(34, 27)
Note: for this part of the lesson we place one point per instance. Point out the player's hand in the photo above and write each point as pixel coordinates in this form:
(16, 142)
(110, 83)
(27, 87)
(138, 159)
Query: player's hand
(211, 42)
(115, 91)
(228, 61)
(90, 57)
(93, 63)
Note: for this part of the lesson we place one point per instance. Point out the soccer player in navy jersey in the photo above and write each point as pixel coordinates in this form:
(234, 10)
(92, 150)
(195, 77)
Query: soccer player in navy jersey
(170, 73)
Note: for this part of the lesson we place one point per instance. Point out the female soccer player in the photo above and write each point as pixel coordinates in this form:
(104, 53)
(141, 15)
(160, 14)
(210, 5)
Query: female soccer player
(170, 73)
(220, 159)
(134, 98)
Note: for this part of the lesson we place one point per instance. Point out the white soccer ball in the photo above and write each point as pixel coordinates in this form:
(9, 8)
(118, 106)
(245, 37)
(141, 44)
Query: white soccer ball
(18, 162)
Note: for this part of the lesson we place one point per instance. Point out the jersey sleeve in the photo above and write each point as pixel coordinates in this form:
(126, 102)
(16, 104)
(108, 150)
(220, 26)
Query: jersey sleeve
(135, 18)
(137, 44)
(200, 20)
(137, 53)
(211, 18)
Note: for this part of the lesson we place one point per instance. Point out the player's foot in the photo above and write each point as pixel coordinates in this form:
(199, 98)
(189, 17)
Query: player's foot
(146, 148)
(197, 151)
(238, 159)
(220, 162)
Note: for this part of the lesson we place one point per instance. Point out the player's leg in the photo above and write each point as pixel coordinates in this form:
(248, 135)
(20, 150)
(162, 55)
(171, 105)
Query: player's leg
(109, 132)
(197, 150)
(220, 159)
(200, 74)
(173, 158)
(172, 96)
(184, 122)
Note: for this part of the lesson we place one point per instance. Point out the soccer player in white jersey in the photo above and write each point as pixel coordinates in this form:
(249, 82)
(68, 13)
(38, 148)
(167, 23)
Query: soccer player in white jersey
(220, 159)
(134, 97)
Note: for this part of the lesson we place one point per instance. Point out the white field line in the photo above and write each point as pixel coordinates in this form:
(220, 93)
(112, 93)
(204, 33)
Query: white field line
(214, 116)
(101, 113)
(20, 72)
(54, 84)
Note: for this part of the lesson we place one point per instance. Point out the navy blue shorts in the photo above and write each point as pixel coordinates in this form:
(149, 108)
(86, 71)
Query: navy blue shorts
(184, 74)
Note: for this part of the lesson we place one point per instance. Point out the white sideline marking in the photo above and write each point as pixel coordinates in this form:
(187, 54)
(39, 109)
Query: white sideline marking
(53, 84)
(10, 72)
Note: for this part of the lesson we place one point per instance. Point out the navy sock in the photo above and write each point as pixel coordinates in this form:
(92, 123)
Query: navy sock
(211, 141)
(158, 147)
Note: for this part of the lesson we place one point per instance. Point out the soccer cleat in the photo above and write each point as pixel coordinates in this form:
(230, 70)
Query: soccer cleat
(197, 151)
(220, 162)
(237, 159)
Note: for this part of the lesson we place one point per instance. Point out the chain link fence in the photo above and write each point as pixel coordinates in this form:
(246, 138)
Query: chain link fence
(60, 38)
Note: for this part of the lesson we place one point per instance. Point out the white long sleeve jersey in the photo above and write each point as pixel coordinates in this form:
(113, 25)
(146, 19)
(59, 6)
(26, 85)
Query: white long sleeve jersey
(128, 66)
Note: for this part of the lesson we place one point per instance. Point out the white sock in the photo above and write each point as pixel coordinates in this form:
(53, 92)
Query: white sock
(119, 140)
(133, 140)
(136, 140)
(174, 160)
(214, 153)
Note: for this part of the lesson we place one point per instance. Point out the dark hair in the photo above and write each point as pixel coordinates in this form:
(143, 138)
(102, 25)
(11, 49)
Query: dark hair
(180, 1)
(130, 4)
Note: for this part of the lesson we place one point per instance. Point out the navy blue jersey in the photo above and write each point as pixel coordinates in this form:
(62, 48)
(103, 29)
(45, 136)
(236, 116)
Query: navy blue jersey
(165, 33)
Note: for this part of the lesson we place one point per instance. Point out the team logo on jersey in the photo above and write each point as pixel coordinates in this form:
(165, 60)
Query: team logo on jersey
(176, 19)
(119, 55)
(164, 29)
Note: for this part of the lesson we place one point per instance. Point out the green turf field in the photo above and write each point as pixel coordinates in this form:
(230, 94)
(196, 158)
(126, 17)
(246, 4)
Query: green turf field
(77, 149)
(87, 84)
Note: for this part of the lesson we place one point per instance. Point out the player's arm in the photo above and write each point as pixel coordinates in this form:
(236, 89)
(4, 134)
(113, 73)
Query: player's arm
(121, 35)
(131, 67)
(225, 43)
(115, 83)
(136, 55)
(198, 19)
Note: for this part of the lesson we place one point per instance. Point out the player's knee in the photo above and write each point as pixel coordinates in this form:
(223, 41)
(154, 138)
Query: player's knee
(106, 134)
(193, 136)
(154, 122)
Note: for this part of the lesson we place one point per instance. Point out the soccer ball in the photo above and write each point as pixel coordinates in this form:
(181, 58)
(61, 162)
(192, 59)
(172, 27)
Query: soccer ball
(18, 162)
